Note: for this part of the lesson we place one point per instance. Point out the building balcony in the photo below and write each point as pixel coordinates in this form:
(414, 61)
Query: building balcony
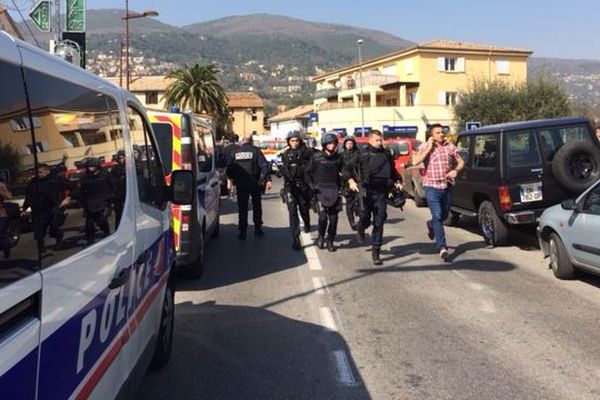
(326, 93)
(369, 80)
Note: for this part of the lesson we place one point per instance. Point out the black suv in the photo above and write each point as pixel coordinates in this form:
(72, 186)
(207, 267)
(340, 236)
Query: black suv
(514, 171)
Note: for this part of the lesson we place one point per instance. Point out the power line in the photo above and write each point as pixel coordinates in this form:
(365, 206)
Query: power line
(26, 24)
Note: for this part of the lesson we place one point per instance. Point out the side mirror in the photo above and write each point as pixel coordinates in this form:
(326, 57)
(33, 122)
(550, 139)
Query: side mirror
(405, 152)
(182, 187)
(569, 205)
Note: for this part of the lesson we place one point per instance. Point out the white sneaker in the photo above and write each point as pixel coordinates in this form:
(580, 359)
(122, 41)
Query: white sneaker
(444, 254)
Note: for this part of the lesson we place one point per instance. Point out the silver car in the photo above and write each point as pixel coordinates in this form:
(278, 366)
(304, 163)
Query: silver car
(569, 234)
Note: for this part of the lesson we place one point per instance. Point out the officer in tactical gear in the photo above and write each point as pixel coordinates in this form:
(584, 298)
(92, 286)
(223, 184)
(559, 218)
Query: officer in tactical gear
(250, 173)
(296, 193)
(118, 176)
(377, 173)
(96, 195)
(323, 176)
(349, 155)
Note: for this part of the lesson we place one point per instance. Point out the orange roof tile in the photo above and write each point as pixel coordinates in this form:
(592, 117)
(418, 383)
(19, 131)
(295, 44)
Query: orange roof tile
(294, 113)
(244, 99)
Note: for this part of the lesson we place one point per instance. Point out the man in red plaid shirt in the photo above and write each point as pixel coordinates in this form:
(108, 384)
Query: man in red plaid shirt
(442, 164)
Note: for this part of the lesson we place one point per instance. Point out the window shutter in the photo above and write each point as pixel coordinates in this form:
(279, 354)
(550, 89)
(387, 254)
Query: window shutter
(460, 64)
(441, 64)
(442, 98)
(409, 67)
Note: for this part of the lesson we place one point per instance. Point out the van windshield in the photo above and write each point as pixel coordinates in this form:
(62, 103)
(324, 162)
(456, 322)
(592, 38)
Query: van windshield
(556, 137)
(164, 141)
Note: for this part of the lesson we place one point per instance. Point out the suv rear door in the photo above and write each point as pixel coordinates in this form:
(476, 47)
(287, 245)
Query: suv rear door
(462, 195)
(524, 171)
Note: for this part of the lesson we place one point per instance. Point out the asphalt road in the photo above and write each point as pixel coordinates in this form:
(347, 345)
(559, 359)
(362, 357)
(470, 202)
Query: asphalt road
(267, 322)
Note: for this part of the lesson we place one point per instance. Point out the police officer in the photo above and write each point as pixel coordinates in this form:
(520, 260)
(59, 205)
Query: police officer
(323, 176)
(296, 191)
(118, 176)
(43, 196)
(376, 175)
(96, 195)
(349, 155)
(250, 172)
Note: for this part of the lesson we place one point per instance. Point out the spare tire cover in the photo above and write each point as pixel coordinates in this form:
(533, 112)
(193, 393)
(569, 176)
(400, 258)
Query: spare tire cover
(576, 166)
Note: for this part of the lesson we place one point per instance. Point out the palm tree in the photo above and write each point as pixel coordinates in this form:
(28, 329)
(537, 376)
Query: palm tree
(198, 89)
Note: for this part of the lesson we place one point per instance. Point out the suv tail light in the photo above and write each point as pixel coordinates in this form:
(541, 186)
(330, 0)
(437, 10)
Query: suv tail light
(505, 200)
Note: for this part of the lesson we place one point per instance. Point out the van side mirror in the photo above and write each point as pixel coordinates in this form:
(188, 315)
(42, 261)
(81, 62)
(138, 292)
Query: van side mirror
(405, 152)
(182, 187)
(569, 205)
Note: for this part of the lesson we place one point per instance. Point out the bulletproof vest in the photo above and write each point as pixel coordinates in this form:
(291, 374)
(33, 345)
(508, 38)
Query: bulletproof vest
(244, 156)
(292, 161)
(375, 167)
(327, 169)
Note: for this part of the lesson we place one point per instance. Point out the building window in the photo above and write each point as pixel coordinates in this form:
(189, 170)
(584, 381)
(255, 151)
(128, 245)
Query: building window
(451, 98)
(447, 64)
(411, 99)
(254, 117)
(391, 102)
(450, 64)
(151, 97)
(502, 67)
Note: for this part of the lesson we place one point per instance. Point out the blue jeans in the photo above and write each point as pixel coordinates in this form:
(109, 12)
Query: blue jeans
(438, 201)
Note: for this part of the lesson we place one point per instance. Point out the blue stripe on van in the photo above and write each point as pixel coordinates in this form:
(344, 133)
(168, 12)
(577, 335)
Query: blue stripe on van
(19, 382)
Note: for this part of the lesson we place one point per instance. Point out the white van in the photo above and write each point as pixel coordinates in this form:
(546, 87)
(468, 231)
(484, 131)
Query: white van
(86, 293)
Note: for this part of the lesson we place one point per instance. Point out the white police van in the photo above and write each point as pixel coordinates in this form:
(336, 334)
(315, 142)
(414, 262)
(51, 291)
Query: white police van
(86, 295)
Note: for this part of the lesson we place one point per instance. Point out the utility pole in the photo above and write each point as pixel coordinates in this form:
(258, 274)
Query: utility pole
(57, 29)
(360, 77)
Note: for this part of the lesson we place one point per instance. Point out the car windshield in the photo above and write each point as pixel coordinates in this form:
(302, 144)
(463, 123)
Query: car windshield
(556, 137)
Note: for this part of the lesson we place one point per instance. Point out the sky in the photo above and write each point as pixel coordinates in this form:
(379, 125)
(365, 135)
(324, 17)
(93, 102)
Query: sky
(552, 28)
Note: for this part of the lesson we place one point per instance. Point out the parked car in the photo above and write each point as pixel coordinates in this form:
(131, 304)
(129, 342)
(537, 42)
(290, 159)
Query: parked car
(514, 171)
(187, 142)
(84, 313)
(569, 234)
(401, 149)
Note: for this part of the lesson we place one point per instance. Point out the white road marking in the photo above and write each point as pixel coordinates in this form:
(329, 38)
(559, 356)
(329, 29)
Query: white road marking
(320, 285)
(476, 286)
(327, 319)
(311, 253)
(345, 375)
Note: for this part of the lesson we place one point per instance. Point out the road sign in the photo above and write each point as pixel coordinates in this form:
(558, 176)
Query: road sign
(473, 125)
(40, 15)
(75, 15)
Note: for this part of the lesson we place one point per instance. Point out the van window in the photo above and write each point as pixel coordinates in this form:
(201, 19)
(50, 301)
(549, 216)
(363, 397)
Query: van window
(205, 145)
(556, 137)
(522, 150)
(75, 195)
(16, 168)
(164, 139)
(485, 152)
(462, 147)
(149, 170)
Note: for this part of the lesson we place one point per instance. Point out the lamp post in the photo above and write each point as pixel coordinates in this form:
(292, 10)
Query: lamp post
(126, 18)
(359, 42)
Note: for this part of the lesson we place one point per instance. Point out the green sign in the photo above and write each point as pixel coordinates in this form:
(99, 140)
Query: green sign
(75, 15)
(40, 15)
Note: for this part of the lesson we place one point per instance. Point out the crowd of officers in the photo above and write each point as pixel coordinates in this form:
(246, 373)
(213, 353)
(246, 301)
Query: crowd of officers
(318, 179)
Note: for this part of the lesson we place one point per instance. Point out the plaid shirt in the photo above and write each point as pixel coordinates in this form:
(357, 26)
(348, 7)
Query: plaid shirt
(438, 164)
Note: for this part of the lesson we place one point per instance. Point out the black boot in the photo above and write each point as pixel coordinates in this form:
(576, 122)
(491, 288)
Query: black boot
(242, 235)
(258, 232)
(321, 242)
(330, 246)
(360, 237)
(306, 228)
(7, 252)
(296, 245)
(375, 255)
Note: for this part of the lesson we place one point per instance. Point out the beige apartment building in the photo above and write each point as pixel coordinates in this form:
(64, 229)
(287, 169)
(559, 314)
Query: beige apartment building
(407, 90)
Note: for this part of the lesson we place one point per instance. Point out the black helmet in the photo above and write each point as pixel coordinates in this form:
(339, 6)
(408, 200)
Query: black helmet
(93, 162)
(349, 139)
(396, 198)
(329, 138)
(293, 135)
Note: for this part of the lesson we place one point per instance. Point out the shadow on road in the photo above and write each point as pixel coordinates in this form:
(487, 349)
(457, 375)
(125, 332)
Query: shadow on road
(233, 352)
(523, 237)
(473, 265)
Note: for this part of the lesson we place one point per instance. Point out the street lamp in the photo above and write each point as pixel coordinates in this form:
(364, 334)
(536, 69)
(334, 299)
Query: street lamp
(126, 18)
(359, 42)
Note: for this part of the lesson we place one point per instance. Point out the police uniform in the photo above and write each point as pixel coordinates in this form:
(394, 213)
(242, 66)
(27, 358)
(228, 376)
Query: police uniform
(96, 194)
(323, 175)
(376, 173)
(296, 190)
(349, 159)
(248, 168)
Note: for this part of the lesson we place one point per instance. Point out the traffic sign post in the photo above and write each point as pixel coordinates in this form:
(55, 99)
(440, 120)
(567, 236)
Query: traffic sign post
(40, 15)
(473, 125)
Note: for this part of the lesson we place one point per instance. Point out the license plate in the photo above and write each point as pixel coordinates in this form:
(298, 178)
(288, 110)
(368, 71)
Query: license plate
(531, 192)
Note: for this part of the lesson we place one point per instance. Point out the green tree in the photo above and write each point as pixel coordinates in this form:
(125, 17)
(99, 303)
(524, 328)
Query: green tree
(495, 102)
(198, 88)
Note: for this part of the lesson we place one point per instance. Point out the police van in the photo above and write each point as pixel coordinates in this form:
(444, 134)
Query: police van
(86, 295)
(187, 142)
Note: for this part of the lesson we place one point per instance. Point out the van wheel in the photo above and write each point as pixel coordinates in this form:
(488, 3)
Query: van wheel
(494, 230)
(559, 260)
(195, 269)
(452, 219)
(164, 343)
